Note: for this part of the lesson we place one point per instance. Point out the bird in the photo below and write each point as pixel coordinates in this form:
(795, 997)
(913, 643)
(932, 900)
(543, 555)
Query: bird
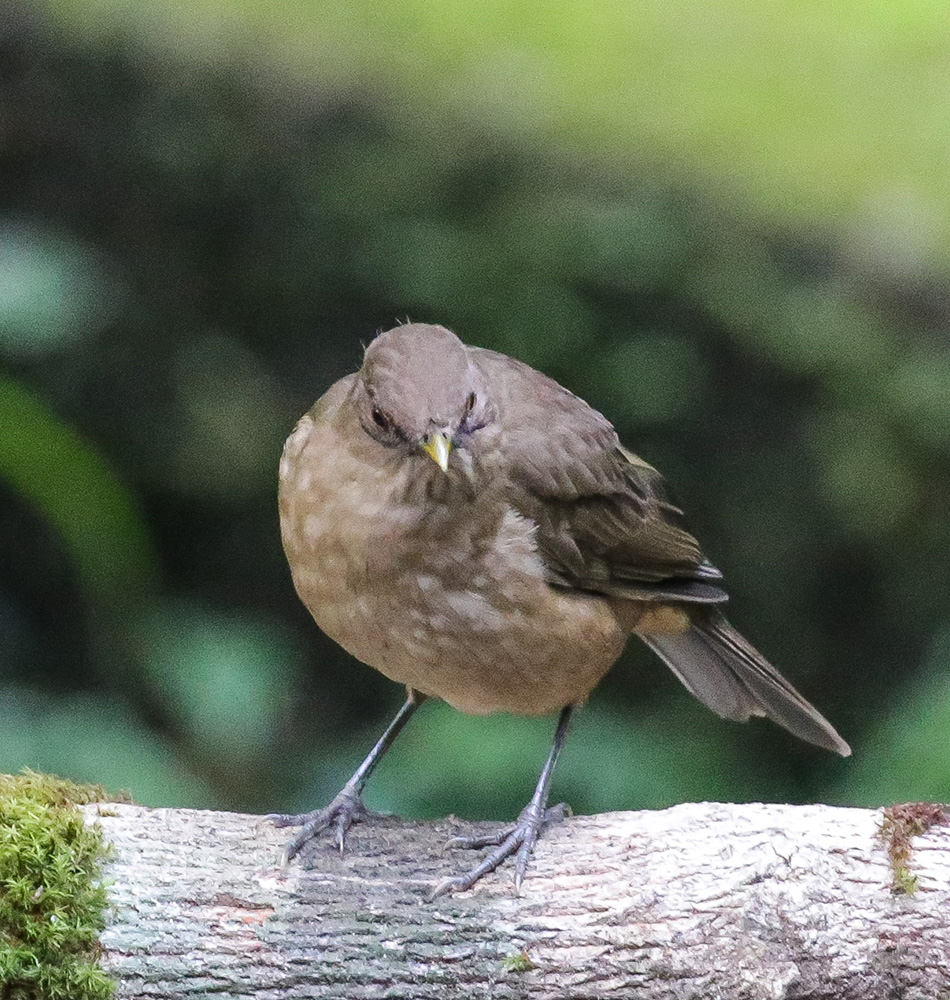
(476, 532)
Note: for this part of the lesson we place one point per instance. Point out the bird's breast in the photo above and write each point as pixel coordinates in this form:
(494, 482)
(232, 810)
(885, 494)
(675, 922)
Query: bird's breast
(444, 591)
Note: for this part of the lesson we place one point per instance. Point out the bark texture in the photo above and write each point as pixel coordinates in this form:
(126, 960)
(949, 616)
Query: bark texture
(745, 902)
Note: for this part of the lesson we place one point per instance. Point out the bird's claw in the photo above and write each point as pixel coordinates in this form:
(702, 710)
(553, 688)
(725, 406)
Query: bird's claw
(345, 810)
(518, 840)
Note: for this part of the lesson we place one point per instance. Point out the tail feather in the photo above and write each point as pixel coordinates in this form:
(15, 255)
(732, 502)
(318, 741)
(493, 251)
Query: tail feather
(728, 675)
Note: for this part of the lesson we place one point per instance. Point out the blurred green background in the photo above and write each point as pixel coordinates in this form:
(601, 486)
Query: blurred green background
(727, 226)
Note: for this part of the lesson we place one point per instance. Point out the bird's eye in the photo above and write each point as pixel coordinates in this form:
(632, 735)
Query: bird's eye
(380, 419)
(471, 422)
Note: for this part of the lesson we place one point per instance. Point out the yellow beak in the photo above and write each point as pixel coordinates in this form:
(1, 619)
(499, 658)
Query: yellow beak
(437, 448)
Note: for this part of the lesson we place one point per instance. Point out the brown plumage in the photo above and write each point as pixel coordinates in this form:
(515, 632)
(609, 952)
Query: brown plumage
(473, 530)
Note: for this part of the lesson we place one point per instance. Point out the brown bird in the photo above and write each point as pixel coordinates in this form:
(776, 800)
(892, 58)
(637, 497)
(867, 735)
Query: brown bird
(473, 530)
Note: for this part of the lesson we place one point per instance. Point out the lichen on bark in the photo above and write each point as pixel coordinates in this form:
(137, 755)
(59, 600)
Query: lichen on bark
(901, 823)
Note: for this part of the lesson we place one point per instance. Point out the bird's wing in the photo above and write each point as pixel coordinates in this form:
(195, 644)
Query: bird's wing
(604, 520)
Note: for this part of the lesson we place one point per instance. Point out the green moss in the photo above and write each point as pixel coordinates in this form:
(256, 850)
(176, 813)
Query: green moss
(519, 962)
(900, 825)
(52, 899)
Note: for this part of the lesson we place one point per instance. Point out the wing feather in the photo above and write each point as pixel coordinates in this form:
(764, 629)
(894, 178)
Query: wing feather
(604, 519)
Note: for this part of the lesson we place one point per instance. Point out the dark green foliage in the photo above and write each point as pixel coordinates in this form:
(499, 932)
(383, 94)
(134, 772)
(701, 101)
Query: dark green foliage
(199, 249)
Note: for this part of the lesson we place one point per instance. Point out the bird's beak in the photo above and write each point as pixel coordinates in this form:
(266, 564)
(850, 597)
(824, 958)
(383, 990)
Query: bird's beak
(437, 447)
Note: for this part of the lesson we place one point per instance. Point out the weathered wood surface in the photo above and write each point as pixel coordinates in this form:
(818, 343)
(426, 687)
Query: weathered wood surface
(699, 901)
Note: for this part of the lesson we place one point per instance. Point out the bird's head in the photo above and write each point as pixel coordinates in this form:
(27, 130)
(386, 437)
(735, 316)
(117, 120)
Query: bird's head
(419, 390)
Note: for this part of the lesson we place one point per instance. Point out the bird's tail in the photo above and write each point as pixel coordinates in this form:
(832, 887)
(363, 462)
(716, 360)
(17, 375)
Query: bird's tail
(731, 677)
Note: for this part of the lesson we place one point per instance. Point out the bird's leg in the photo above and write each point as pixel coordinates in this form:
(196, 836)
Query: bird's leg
(347, 807)
(519, 839)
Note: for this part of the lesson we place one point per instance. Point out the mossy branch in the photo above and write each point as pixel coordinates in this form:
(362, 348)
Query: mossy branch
(698, 901)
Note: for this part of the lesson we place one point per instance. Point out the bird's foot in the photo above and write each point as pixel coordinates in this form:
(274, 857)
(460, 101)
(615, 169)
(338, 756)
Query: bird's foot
(345, 810)
(518, 839)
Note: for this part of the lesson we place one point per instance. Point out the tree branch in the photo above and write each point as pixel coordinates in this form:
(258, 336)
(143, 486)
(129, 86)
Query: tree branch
(698, 901)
